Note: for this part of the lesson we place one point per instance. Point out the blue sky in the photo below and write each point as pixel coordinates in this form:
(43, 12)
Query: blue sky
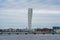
(13, 13)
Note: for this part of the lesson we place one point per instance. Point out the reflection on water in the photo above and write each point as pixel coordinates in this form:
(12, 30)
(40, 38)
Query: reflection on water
(30, 37)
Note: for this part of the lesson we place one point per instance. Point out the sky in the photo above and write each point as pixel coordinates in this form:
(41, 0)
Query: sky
(14, 13)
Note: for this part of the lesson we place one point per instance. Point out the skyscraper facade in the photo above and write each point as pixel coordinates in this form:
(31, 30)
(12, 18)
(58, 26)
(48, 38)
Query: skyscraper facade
(30, 18)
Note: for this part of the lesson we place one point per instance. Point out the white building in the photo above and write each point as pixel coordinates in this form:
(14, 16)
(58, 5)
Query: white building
(29, 18)
(57, 31)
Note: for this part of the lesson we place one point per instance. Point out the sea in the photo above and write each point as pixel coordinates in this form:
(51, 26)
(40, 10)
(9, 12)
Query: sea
(30, 37)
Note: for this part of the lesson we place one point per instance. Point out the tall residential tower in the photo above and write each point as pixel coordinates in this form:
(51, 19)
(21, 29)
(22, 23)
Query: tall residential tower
(30, 11)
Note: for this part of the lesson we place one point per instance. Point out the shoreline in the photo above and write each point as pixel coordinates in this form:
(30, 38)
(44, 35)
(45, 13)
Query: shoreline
(25, 33)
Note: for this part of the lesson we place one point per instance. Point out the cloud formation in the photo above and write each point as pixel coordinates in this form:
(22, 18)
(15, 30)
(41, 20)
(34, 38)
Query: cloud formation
(15, 13)
(42, 4)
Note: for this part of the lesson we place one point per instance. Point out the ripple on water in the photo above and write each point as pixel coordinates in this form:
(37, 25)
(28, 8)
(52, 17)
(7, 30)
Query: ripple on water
(30, 37)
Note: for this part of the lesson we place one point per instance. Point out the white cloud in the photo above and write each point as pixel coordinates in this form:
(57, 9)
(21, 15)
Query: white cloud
(25, 11)
(15, 11)
(47, 11)
(17, 4)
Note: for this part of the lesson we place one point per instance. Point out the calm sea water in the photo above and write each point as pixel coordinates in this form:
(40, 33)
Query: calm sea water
(30, 37)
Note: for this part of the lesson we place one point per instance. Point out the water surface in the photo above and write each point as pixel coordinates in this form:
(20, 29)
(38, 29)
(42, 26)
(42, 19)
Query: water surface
(30, 37)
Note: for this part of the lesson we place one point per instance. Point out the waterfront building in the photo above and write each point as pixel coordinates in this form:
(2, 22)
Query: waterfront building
(11, 30)
(4, 30)
(1, 30)
(44, 30)
(18, 30)
(30, 18)
(56, 27)
(57, 31)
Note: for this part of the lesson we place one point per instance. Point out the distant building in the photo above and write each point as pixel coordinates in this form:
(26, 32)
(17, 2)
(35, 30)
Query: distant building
(11, 30)
(44, 30)
(56, 29)
(30, 11)
(5, 30)
(1, 30)
(18, 30)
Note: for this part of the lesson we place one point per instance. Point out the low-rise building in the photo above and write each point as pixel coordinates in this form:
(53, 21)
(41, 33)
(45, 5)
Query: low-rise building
(44, 31)
(56, 29)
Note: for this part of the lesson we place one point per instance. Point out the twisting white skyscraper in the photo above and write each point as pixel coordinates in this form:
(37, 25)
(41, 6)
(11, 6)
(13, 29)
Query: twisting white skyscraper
(30, 18)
